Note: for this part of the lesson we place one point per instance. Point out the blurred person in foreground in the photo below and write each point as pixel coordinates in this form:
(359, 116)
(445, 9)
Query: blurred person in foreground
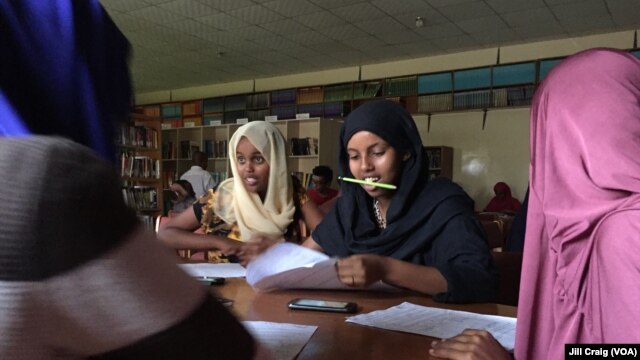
(72, 281)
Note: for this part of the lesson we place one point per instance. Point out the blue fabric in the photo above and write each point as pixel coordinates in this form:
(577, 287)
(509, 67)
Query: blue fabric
(63, 71)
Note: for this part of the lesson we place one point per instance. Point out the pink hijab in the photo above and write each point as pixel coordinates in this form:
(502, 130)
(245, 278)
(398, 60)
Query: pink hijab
(581, 269)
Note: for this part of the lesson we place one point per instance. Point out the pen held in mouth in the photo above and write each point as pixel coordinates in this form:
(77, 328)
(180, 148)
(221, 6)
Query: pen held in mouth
(371, 183)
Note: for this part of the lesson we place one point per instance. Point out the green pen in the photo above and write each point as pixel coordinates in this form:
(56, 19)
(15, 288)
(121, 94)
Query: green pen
(365, 182)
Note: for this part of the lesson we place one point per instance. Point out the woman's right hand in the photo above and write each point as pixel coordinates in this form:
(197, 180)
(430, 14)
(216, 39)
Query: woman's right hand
(256, 246)
(471, 344)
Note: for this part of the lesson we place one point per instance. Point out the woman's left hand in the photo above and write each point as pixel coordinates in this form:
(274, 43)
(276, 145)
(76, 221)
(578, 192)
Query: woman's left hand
(361, 270)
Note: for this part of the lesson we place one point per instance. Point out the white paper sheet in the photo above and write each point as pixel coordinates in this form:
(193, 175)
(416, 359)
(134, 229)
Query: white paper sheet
(290, 266)
(225, 270)
(440, 323)
(285, 341)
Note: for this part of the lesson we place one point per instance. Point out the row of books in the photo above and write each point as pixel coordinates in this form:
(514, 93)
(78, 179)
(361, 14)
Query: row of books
(367, 90)
(216, 148)
(187, 148)
(434, 103)
(405, 86)
(434, 158)
(477, 99)
(135, 166)
(303, 146)
(139, 136)
(257, 114)
(258, 101)
(283, 97)
(338, 93)
(140, 197)
(304, 178)
(311, 95)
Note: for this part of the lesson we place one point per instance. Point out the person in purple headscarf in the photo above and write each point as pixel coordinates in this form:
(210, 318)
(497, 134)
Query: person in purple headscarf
(580, 276)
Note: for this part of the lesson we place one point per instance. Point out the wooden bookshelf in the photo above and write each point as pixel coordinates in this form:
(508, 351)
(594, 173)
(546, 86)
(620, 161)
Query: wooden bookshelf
(140, 163)
(494, 86)
(440, 161)
(318, 135)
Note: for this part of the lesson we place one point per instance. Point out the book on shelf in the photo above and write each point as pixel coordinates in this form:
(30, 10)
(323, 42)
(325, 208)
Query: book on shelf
(215, 149)
(169, 176)
(140, 197)
(303, 146)
(145, 167)
(435, 159)
(138, 136)
(192, 108)
(169, 150)
(304, 178)
(192, 121)
(435, 102)
(187, 148)
(218, 176)
(171, 123)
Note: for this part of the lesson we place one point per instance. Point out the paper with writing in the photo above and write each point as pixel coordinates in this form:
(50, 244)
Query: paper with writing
(284, 341)
(290, 266)
(225, 270)
(439, 323)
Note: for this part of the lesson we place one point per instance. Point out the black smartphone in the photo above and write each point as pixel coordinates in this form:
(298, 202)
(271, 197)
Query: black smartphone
(323, 305)
(210, 280)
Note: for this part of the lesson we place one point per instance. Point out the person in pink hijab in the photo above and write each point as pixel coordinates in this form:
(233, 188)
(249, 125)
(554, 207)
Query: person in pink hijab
(503, 201)
(581, 268)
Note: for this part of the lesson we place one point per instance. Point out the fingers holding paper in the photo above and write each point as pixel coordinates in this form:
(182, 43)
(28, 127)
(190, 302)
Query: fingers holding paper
(470, 344)
(360, 270)
(255, 246)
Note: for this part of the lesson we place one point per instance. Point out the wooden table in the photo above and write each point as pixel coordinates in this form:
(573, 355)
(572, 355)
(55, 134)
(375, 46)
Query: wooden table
(336, 339)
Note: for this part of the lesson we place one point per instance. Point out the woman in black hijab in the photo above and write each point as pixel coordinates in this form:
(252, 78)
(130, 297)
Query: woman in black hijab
(422, 236)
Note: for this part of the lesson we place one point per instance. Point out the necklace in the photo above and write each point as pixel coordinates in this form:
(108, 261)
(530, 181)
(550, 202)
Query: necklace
(382, 223)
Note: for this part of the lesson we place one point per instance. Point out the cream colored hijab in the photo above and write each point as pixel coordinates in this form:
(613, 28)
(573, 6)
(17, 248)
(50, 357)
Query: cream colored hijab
(236, 205)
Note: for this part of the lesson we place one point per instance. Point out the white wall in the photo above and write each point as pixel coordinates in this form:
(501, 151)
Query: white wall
(481, 158)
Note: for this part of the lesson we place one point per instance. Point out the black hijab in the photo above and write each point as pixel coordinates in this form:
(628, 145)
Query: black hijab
(418, 210)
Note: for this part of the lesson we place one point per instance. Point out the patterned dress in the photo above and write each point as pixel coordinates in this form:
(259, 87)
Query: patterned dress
(214, 225)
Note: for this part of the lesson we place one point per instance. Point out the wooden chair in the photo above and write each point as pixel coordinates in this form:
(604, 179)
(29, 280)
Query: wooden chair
(509, 266)
(494, 230)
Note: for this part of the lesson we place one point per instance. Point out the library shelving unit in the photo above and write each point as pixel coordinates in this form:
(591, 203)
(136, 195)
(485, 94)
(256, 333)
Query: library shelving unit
(310, 142)
(440, 161)
(486, 87)
(141, 166)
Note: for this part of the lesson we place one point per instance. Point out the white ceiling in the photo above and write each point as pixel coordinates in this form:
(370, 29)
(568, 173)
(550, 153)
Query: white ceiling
(184, 43)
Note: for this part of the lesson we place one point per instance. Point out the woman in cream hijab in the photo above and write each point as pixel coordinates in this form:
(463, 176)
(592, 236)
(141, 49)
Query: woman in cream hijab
(260, 200)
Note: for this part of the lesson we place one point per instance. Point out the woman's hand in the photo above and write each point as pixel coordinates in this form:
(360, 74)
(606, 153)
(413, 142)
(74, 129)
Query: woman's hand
(471, 344)
(255, 246)
(361, 270)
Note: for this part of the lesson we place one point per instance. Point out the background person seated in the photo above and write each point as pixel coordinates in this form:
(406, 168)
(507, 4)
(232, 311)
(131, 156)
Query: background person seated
(322, 191)
(502, 201)
(184, 196)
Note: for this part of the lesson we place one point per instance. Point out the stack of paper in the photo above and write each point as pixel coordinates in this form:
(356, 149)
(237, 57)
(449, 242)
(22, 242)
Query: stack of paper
(290, 266)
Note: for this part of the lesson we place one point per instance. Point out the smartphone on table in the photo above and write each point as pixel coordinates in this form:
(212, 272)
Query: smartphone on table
(323, 305)
(210, 280)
